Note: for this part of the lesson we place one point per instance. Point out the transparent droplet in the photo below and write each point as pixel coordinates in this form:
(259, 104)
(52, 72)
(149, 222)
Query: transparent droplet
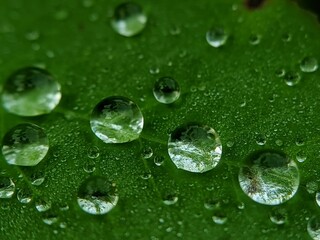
(37, 178)
(89, 166)
(158, 160)
(216, 37)
(309, 64)
(318, 198)
(241, 205)
(128, 19)
(195, 148)
(278, 216)
(254, 39)
(261, 139)
(301, 156)
(7, 187)
(154, 70)
(42, 205)
(24, 195)
(97, 195)
(31, 91)
(166, 90)
(170, 199)
(50, 218)
(313, 227)
(116, 120)
(279, 142)
(219, 218)
(212, 203)
(147, 152)
(25, 145)
(93, 152)
(280, 72)
(146, 176)
(299, 142)
(269, 177)
(292, 78)
(312, 187)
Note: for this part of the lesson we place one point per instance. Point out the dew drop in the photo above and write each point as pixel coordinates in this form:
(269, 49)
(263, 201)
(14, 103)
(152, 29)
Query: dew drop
(286, 37)
(49, 218)
(89, 166)
(195, 148)
(97, 195)
(241, 205)
(25, 145)
(312, 187)
(309, 64)
(7, 187)
(31, 91)
(170, 199)
(280, 72)
(254, 39)
(313, 227)
(318, 198)
(128, 19)
(158, 160)
(147, 152)
(301, 156)
(219, 218)
(42, 205)
(154, 70)
(279, 142)
(146, 176)
(37, 178)
(93, 152)
(212, 203)
(216, 37)
(24, 195)
(292, 78)
(269, 177)
(278, 216)
(166, 90)
(116, 120)
(261, 139)
(32, 36)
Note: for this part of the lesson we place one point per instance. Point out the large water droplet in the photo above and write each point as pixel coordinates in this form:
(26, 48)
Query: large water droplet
(216, 37)
(128, 19)
(97, 195)
(25, 145)
(166, 90)
(309, 64)
(195, 148)
(269, 177)
(31, 91)
(7, 187)
(116, 120)
(313, 227)
(292, 78)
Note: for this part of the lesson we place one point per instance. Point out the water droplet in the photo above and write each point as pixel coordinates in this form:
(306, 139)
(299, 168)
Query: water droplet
(230, 144)
(170, 199)
(147, 152)
(50, 218)
(279, 142)
(63, 225)
(25, 145)
(286, 37)
(166, 90)
(309, 64)
(313, 227)
(261, 139)
(158, 160)
(292, 78)
(116, 120)
(269, 177)
(24, 195)
(37, 178)
(128, 19)
(154, 70)
(280, 72)
(64, 207)
(278, 216)
(93, 152)
(97, 195)
(195, 148)
(301, 156)
(299, 142)
(89, 166)
(42, 205)
(241, 205)
(212, 203)
(32, 36)
(31, 91)
(312, 187)
(146, 176)
(7, 187)
(254, 39)
(318, 198)
(216, 37)
(219, 218)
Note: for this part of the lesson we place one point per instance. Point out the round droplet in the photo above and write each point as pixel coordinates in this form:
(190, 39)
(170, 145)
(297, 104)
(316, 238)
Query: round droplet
(278, 216)
(166, 90)
(292, 78)
(25, 145)
(49, 218)
(212, 203)
(318, 198)
(280, 72)
(24, 195)
(279, 142)
(309, 64)
(42, 205)
(93, 152)
(116, 120)
(31, 91)
(128, 19)
(170, 199)
(254, 39)
(7, 187)
(89, 166)
(37, 178)
(158, 160)
(147, 152)
(312, 187)
(195, 148)
(301, 156)
(261, 139)
(216, 37)
(219, 218)
(97, 195)
(313, 227)
(269, 177)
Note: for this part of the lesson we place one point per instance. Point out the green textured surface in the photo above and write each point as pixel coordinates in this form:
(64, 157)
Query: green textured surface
(92, 62)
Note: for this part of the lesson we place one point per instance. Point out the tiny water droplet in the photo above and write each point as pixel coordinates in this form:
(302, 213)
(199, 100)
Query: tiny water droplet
(89, 166)
(286, 37)
(63, 225)
(313, 227)
(158, 160)
(212, 203)
(154, 70)
(97, 195)
(31, 91)
(195, 148)
(279, 142)
(50, 218)
(146, 176)
(166, 90)
(269, 177)
(64, 207)
(241, 205)
(312, 187)
(318, 198)
(217, 37)
(278, 216)
(309, 64)
(147, 152)
(254, 39)
(261, 139)
(33, 35)
(170, 199)
(230, 144)
(93, 152)
(25, 145)
(37, 178)
(301, 156)
(128, 19)
(299, 142)
(116, 120)
(42, 205)
(280, 72)
(24, 195)
(219, 218)
(7, 187)
(292, 78)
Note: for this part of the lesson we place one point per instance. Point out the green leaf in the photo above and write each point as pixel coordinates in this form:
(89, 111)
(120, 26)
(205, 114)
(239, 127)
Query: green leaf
(233, 89)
